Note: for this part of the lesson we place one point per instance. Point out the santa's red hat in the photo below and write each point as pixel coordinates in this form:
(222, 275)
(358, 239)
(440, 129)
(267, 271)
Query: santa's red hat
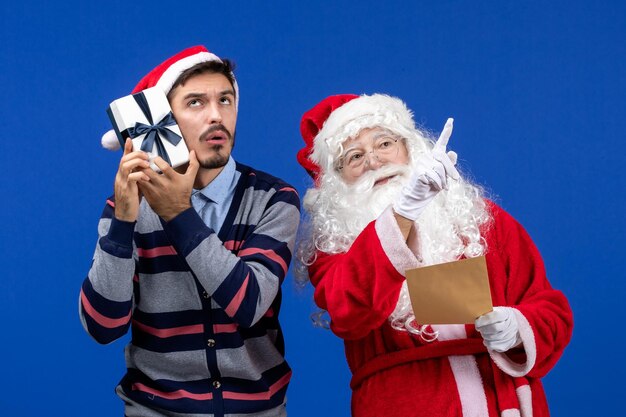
(165, 75)
(328, 124)
(310, 125)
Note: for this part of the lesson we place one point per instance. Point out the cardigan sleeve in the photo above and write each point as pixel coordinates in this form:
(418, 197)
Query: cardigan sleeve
(243, 281)
(544, 315)
(360, 288)
(105, 300)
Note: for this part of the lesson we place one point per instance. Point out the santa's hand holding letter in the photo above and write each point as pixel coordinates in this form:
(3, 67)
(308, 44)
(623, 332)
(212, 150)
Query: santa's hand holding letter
(387, 198)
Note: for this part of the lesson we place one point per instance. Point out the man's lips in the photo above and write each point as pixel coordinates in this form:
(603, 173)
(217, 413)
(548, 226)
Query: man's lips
(218, 137)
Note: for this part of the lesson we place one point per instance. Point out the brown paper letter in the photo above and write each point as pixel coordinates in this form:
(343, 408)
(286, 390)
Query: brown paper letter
(450, 293)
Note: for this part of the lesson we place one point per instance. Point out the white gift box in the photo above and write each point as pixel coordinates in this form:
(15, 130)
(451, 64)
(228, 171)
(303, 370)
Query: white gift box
(146, 117)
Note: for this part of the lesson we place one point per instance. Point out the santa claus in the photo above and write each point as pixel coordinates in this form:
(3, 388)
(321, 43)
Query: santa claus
(387, 198)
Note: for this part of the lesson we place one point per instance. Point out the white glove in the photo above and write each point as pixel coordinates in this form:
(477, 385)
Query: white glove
(430, 177)
(499, 329)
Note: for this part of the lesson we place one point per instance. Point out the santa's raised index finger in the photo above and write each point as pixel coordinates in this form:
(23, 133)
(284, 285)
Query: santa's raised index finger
(444, 137)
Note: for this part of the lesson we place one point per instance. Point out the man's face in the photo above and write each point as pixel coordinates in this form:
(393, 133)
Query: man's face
(204, 108)
(370, 150)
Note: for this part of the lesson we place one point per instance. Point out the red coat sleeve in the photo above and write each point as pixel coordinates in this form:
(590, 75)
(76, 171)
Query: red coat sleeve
(546, 318)
(360, 288)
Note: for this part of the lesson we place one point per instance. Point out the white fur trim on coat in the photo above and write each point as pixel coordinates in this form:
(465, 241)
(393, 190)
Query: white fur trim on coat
(530, 347)
(392, 241)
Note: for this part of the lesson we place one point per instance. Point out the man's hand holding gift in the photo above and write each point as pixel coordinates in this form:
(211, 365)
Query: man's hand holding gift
(169, 193)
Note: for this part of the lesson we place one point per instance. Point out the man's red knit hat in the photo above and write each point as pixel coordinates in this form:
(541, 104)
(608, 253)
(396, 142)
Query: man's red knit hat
(165, 75)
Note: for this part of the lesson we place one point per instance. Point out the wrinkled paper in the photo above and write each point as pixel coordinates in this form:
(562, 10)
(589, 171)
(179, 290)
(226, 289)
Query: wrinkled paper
(450, 293)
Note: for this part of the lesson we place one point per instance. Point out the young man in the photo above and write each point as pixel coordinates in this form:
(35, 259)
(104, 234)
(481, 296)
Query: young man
(386, 199)
(193, 262)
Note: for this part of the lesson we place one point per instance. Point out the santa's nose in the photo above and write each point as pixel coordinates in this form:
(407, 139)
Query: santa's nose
(372, 161)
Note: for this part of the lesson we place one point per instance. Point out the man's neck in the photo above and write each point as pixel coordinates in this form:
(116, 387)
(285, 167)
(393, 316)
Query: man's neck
(206, 176)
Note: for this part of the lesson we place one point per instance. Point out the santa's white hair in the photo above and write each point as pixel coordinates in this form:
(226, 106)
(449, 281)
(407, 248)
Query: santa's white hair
(449, 228)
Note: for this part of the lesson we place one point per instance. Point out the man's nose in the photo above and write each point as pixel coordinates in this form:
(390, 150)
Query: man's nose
(214, 115)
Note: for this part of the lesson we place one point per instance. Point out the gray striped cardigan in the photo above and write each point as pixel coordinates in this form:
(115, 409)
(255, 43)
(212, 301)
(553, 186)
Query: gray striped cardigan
(203, 305)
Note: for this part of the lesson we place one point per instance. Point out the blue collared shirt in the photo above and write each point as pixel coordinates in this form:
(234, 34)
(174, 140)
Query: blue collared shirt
(213, 201)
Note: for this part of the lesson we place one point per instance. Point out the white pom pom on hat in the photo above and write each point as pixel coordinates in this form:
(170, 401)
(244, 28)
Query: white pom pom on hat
(164, 76)
(109, 141)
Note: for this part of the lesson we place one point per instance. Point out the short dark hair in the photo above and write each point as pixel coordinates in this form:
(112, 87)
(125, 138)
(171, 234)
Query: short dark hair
(225, 67)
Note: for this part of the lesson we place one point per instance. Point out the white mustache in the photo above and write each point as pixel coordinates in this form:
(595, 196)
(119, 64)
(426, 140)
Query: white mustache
(366, 182)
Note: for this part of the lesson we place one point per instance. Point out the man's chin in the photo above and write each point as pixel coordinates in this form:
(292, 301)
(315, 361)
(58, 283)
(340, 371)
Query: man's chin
(216, 161)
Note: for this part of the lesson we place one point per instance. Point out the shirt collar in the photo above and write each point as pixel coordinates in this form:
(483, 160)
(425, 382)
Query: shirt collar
(218, 189)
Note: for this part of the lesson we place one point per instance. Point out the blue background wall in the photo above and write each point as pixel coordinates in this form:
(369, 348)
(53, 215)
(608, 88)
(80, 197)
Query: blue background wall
(537, 91)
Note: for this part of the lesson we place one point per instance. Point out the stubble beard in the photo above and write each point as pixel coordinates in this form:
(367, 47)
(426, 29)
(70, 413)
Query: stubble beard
(216, 161)
(221, 155)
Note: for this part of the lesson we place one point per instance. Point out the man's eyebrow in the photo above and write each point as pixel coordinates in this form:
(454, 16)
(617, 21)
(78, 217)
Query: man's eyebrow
(227, 92)
(192, 94)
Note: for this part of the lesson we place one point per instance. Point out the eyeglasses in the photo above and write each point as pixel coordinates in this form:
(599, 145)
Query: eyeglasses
(385, 148)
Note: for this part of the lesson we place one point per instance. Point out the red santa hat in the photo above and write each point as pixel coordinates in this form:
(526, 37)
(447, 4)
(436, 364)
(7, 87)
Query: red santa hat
(329, 123)
(165, 75)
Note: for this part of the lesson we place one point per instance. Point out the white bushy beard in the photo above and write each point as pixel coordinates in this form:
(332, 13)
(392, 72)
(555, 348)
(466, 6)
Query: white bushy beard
(448, 228)
(343, 210)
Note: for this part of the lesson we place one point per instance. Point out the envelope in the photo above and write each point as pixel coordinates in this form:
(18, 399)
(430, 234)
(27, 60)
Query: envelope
(450, 293)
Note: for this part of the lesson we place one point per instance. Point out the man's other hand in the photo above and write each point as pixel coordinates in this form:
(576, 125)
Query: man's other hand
(129, 173)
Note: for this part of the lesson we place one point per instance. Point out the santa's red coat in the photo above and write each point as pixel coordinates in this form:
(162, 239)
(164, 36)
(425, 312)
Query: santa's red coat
(398, 374)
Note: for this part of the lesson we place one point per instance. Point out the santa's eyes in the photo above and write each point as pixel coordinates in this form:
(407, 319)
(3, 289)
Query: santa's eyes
(384, 149)
(354, 156)
(357, 154)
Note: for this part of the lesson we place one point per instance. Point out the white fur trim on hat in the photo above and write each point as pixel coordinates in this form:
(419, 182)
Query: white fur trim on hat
(171, 74)
(377, 110)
